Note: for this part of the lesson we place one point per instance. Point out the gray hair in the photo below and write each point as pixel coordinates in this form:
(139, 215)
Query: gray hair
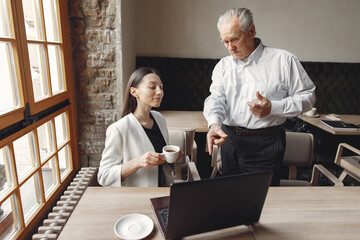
(244, 16)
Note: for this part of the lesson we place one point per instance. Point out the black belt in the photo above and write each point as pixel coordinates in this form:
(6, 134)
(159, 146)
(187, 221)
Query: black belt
(261, 131)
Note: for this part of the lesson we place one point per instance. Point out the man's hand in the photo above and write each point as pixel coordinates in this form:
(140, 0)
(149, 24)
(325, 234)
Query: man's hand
(261, 109)
(215, 136)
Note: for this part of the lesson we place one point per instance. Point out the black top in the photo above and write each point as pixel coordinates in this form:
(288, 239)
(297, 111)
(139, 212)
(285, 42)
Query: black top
(158, 142)
(155, 136)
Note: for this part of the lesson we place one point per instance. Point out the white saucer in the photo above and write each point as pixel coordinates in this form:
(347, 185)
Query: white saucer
(312, 116)
(133, 226)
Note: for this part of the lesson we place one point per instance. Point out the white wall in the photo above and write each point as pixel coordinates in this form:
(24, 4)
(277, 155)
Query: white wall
(315, 30)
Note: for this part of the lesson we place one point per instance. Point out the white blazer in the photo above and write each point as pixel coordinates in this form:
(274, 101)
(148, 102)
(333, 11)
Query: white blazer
(125, 140)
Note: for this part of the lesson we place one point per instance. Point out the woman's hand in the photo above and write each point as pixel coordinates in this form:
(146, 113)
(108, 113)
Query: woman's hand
(150, 159)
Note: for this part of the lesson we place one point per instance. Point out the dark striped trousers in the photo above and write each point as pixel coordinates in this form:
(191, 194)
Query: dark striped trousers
(242, 153)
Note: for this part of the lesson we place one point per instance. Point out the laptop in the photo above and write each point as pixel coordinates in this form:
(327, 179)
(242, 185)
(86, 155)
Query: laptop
(211, 204)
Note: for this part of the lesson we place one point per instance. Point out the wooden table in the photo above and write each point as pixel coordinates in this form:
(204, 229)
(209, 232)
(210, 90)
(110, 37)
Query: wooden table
(310, 213)
(186, 119)
(355, 119)
(99, 209)
(289, 213)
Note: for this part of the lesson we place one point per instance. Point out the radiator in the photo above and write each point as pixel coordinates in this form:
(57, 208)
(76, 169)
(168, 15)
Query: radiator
(53, 225)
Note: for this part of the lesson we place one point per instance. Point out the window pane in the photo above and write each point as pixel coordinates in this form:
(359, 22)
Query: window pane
(49, 176)
(55, 69)
(61, 129)
(3, 179)
(32, 20)
(8, 226)
(45, 136)
(5, 183)
(64, 161)
(51, 20)
(9, 92)
(38, 71)
(29, 199)
(4, 20)
(24, 158)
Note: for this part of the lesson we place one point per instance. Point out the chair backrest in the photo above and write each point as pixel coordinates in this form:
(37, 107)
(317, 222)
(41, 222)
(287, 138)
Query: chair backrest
(189, 141)
(298, 151)
(185, 138)
(177, 137)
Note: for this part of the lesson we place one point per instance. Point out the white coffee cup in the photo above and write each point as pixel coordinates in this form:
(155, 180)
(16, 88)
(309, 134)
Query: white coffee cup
(311, 113)
(170, 153)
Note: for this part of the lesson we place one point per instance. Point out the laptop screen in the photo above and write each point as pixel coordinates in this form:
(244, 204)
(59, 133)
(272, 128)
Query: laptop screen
(212, 204)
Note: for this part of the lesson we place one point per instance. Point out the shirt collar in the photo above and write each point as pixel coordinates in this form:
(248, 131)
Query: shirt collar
(255, 55)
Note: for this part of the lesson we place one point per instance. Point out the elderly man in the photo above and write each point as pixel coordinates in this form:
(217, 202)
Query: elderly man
(253, 91)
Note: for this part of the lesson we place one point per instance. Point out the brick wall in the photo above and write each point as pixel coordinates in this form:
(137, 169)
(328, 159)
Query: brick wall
(95, 39)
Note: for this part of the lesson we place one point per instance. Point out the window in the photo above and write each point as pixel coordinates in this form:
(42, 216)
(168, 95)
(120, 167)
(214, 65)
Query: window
(37, 138)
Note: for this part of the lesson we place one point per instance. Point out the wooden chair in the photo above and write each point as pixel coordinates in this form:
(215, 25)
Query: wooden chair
(350, 164)
(185, 169)
(299, 153)
(193, 174)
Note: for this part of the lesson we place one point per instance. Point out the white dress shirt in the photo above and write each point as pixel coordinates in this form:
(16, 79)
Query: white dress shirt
(277, 74)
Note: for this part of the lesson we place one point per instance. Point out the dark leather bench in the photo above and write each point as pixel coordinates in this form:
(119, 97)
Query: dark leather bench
(187, 81)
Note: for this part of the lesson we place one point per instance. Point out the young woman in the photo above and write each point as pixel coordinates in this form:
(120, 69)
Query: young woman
(132, 155)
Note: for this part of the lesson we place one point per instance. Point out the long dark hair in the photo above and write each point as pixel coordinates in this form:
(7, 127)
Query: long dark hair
(136, 77)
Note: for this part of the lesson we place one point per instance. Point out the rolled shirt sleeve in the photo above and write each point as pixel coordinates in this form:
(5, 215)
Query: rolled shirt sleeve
(301, 92)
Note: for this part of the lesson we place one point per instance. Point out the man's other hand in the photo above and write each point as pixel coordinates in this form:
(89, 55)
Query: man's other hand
(215, 136)
(261, 109)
